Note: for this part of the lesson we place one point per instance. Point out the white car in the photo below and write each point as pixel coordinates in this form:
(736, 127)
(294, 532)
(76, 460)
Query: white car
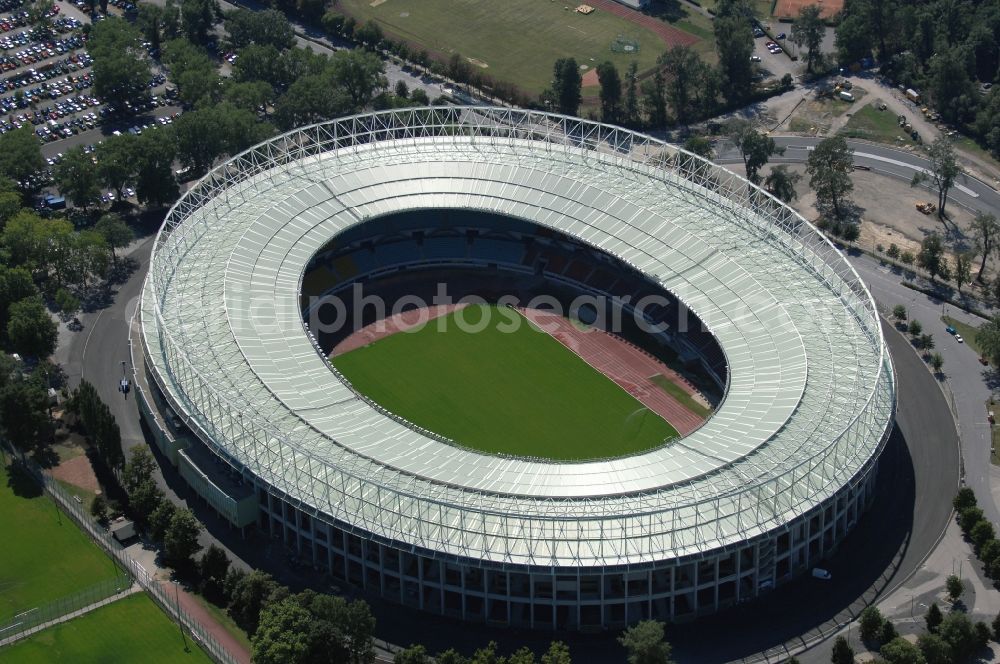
(820, 573)
(959, 339)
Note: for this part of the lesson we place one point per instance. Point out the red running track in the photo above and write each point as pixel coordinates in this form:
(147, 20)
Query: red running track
(623, 363)
(668, 33)
(390, 325)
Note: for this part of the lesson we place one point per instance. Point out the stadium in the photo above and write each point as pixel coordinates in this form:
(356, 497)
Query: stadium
(761, 312)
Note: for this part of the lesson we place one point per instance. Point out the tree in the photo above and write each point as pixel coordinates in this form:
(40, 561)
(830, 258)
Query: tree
(954, 587)
(734, 43)
(20, 154)
(160, 518)
(969, 517)
(937, 362)
(985, 231)
(933, 617)
(982, 533)
(829, 166)
(611, 92)
(781, 183)
(121, 69)
(931, 256)
(989, 552)
(117, 160)
(566, 86)
(180, 542)
(934, 649)
(370, 34)
(915, 328)
(99, 508)
(283, 634)
(957, 631)
(76, 177)
(631, 110)
(943, 171)
(558, 653)
(996, 627)
(143, 501)
(842, 652)
(248, 597)
(359, 74)
(415, 654)
(270, 26)
(645, 643)
(988, 338)
(213, 566)
(24, 414)
(654, 101)
(154, 180)
(899, 312)
(893, 251)
(253, 96)
(139, 469)
(68, 303)
(808, 30)
(963, 268)
(30, 328)
(901, 651)
(115, 232)
(685, 73)
(149, 20)
(197, 19)
(755, 148)
(926, 342)
(870, 625)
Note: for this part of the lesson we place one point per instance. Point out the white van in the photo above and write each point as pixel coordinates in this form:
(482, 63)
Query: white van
(820, 573)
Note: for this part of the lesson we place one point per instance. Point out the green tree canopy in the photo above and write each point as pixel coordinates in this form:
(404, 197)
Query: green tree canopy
(829, 166)
(645, 643)
(20, 154)
(121, 69)
(76, 177)
(30, 328)
(180, 542)
(611, 92)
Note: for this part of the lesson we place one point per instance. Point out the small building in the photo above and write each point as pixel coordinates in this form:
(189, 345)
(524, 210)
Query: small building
(122, 529)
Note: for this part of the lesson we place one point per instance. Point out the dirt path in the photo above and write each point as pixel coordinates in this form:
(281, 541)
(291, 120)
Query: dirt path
(78, 472)
(629, 367)
(207, 621)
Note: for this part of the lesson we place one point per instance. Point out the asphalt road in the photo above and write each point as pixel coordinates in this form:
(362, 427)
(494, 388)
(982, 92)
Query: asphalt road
(968, 192)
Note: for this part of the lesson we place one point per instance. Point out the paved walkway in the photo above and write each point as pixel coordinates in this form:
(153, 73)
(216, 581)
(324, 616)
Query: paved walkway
(134, 588)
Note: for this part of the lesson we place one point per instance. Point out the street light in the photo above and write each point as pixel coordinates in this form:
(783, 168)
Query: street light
(177, 607)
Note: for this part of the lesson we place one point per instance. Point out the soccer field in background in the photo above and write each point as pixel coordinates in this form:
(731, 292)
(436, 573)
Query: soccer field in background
(520, 393)
(132, 629)
(516, 40)
(44, 555)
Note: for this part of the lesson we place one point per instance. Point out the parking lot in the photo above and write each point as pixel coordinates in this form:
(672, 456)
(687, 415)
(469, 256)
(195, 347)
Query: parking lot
(45, 84)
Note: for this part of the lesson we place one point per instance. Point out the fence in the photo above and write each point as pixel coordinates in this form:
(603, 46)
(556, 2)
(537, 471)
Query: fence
(98, 594)
(166, 599)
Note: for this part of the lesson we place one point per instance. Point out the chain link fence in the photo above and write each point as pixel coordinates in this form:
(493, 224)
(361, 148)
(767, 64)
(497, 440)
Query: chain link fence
(167, 600)
(99, 594)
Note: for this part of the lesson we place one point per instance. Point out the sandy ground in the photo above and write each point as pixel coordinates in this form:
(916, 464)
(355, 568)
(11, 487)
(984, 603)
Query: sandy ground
(889, 214)
(77, 471)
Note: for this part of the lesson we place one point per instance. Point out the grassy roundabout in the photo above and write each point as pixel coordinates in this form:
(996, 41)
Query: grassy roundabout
(45, 555)
(515, 392)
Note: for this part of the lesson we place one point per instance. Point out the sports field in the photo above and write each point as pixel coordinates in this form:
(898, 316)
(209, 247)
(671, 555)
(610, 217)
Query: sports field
(515, 40)
(515, 392)
(44, 556)
(132, 629)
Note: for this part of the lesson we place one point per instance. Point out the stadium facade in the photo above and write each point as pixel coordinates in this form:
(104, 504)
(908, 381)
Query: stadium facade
(239, 395)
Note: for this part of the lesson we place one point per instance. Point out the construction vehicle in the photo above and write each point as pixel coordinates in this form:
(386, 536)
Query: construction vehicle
(927, 208)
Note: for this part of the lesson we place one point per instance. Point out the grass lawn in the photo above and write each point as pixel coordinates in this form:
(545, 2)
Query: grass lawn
(516, 40)
(132, 629)
(44, 556)
(223, 618)
(498, 391)
(874, 125)
(683, 397)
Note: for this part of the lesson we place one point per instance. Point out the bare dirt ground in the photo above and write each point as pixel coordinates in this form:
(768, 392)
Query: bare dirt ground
(888, 212)
(629, 367)
(401, 322)
(77, 471)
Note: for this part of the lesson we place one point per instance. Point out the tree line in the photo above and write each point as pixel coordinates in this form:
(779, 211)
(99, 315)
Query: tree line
(944, 49)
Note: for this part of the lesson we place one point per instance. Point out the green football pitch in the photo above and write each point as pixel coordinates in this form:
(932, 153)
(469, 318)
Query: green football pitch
(515, 392)
(132, 629)
(513, 40)
(44, 555)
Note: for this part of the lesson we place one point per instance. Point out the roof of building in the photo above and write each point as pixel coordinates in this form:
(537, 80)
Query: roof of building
(810, 394)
